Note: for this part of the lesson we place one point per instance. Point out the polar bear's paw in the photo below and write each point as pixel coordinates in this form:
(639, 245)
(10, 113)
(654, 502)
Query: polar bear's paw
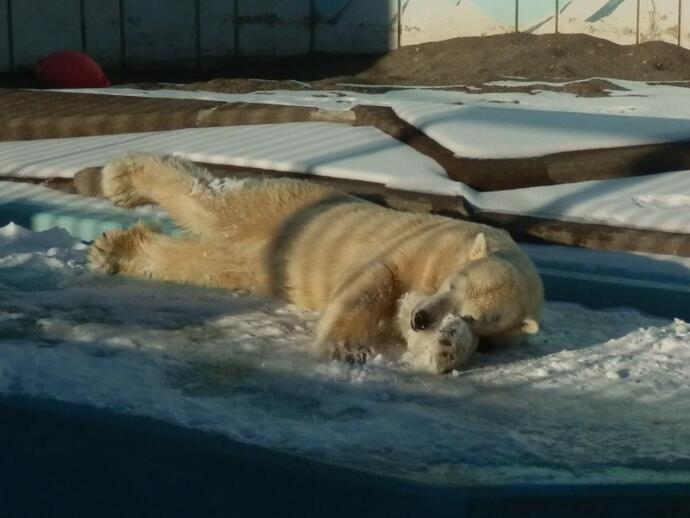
(117, 179)
(354, 354)
(114, 251)
(443, 349)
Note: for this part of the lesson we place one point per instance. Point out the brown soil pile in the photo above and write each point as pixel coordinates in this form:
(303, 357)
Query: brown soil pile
(548, 57)
(472, 62)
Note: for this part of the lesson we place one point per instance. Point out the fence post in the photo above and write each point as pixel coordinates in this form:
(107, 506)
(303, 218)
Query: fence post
(517, 15)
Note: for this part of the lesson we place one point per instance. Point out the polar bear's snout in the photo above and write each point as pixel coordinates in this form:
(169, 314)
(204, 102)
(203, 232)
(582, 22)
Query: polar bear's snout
(421, 320)
(429, 312)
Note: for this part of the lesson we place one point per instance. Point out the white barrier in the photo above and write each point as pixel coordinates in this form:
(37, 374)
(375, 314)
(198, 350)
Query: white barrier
(199, 32)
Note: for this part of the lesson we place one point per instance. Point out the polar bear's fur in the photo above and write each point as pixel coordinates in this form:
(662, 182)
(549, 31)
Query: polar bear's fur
(320, 249)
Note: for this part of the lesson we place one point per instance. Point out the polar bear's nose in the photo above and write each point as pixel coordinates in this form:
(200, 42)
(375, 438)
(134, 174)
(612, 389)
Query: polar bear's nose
(420, 320)
(468, 319)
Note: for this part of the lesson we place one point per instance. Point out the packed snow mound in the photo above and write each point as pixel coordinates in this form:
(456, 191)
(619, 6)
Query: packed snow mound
(597, 396)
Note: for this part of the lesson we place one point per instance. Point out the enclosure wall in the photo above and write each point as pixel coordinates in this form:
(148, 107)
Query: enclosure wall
(202, 32)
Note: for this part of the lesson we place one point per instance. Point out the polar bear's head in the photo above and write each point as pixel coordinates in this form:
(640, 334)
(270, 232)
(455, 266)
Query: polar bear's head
(489, 291)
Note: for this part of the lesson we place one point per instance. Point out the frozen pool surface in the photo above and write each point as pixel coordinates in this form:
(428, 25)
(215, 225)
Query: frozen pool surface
(598, 396)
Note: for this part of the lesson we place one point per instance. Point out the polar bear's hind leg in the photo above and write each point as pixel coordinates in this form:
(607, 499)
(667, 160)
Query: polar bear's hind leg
(176, 185)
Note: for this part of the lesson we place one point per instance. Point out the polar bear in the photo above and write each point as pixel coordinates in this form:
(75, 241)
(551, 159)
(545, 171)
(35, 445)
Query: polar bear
(323, 250)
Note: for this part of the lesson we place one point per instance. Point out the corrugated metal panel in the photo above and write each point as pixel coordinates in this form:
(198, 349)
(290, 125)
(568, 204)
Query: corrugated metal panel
(615, 20)
(435, 20)
(102, 31)
(537, 16)
(44, 26)
(217, 22)
(685, 24)
(160, 31)
(356, 26)
(659, 20)
(273, 27)
(5, 59)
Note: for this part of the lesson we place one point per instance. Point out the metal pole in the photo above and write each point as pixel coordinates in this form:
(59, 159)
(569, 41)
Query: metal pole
(517, 15)
(10, 35)
(680, 22)
(123, 35)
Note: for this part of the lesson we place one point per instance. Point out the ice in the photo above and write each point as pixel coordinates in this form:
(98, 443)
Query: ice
(597, 396)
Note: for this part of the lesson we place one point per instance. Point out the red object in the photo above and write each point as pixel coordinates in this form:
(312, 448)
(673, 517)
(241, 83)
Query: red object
(71, 69)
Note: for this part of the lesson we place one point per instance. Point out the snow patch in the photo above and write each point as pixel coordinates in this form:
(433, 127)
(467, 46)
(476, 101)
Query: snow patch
(663, 201)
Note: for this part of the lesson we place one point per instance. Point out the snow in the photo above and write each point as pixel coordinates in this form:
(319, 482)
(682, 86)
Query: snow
(493, 132)
(597, 396)
(654, 202)
(646, 202)
(486, 125)
(329, 149)
(663, 201)
(635, 98)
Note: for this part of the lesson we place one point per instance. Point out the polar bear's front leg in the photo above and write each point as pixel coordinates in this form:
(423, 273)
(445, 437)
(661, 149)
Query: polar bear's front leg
(358, 316)
(122, 251)
(140, 251)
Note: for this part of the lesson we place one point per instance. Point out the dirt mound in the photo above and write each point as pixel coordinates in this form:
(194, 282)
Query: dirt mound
(548, 57)
(459, 61)
(472, 62)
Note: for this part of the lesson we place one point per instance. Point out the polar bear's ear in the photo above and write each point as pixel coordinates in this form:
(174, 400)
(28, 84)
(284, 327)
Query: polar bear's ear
(529, 326)
(479, 248)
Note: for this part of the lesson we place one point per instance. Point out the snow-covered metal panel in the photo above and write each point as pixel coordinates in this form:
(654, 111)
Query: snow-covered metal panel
(217, 22)
(615, 20)
(659, 20)
(537, 16)
(159, 31)
(273, 27)
(102, 31)
(5, 57)
(355, 26)
(40, 27)
(435, 20)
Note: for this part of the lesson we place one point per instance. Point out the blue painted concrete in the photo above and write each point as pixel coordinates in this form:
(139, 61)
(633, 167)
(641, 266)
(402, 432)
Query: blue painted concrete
(63, 460)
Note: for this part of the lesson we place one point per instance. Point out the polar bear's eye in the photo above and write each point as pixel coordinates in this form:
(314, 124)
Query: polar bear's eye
(494, 319)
